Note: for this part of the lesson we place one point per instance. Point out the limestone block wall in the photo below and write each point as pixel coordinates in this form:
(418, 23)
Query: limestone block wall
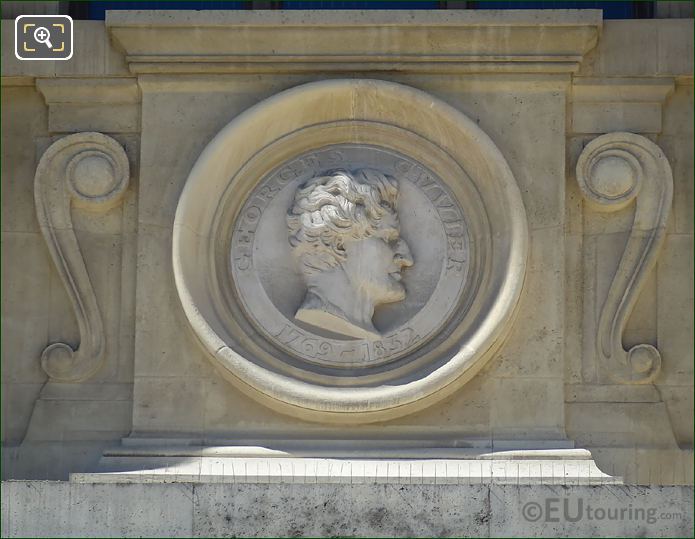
(262, 510)
(163, 92)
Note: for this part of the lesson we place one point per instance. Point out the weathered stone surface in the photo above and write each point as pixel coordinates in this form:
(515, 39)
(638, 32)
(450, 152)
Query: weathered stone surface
(660, 52)
(537, 87)
(96, 511)
(54, 509)
(605, 511)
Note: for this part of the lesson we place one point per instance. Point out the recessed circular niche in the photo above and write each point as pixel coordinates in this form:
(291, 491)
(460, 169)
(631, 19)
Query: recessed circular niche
(350, 250)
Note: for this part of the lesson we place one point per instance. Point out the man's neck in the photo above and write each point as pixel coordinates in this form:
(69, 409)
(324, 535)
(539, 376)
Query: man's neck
(332, 293)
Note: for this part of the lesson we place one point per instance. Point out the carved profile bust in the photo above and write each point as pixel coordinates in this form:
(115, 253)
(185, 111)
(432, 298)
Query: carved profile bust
(288, 258)
(344, 233)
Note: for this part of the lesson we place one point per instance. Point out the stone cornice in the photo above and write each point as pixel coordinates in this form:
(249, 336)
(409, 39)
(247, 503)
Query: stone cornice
(601, 105)
(626, 89)
(89, 90)
(105, 104)
(339, 41)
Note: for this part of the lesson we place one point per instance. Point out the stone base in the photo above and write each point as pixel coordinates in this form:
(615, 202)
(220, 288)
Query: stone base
(353, 462)
(62, 509)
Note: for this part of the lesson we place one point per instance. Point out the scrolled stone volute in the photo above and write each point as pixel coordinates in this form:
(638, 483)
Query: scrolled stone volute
(91, 171)
(612, 171)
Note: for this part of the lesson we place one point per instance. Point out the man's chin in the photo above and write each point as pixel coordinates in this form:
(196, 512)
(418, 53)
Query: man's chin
(396, 293)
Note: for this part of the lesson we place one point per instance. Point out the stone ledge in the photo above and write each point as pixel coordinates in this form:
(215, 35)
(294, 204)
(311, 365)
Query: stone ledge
(527, 471)
(355, 461)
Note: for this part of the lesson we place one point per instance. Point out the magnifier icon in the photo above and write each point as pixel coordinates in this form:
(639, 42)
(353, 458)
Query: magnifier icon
(42, 35)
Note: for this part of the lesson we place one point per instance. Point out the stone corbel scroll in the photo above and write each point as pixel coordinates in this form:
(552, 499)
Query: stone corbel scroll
(90, 171)
(612, 171)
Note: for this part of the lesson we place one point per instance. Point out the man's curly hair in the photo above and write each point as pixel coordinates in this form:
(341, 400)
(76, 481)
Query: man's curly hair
(330, 209)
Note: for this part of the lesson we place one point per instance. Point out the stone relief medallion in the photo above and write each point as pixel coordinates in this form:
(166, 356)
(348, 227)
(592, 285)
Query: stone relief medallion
(356, 261)
(350, 251)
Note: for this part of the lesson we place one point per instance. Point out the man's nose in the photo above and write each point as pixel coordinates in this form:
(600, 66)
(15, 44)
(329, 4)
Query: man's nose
(403, 255)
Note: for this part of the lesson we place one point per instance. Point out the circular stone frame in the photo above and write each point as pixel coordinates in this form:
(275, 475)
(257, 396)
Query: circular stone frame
(228, 170)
